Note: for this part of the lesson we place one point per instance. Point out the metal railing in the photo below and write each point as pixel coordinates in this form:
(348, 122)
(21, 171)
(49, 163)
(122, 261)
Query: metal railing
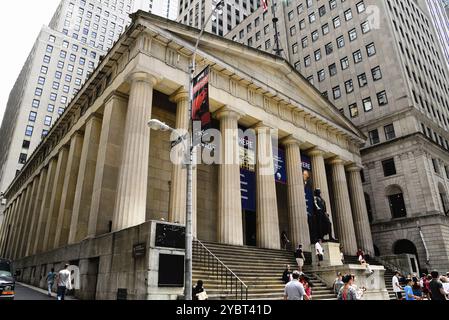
(216, 268)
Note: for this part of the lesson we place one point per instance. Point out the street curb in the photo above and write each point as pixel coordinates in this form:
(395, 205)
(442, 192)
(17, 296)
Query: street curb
(45, 292)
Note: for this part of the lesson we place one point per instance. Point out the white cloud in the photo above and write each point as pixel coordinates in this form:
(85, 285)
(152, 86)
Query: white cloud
(20, 23)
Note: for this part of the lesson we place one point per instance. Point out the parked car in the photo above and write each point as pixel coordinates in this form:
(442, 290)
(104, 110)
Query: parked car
(7, 281)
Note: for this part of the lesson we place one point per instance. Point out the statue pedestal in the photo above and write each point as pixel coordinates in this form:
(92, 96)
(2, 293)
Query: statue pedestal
(332, 256)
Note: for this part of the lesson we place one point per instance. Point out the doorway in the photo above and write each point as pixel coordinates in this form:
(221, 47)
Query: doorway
(249, 228)
(406, 246)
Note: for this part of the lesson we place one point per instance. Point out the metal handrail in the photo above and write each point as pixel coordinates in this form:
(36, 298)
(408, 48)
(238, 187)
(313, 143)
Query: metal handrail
(222, 272)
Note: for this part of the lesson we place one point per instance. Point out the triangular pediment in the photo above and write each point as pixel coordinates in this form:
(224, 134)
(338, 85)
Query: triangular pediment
(249, 63)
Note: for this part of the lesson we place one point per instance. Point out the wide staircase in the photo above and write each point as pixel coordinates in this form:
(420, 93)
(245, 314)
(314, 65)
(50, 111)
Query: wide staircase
(240, 273)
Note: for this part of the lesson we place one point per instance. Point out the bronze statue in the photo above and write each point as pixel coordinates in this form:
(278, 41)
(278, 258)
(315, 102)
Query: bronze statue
(322, 225)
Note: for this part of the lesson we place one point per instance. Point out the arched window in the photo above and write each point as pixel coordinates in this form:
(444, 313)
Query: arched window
(396, 202)
(443, 197)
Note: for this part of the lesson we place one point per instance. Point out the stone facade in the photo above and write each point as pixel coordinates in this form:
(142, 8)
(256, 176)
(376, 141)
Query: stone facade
(101, 175)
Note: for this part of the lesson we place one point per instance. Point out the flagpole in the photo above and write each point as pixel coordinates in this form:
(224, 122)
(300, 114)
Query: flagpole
(278, 49)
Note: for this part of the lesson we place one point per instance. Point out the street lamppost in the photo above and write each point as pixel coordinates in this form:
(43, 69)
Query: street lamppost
(160, 126)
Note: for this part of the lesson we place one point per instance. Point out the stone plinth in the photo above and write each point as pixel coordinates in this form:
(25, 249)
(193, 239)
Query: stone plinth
(373, 282)
(332, 256)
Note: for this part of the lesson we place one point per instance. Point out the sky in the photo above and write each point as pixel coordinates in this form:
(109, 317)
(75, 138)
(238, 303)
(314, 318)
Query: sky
(20, 23)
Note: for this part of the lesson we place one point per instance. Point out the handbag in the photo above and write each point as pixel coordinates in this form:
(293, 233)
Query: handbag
(202, 296)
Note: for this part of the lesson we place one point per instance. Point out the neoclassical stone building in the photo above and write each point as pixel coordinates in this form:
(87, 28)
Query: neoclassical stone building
(89, 190)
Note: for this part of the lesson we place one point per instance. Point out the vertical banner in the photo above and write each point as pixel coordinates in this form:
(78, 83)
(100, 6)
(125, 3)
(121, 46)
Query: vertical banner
(247, 146)
(280, 171)
(306, 164)
(264, 5)
(200, 104)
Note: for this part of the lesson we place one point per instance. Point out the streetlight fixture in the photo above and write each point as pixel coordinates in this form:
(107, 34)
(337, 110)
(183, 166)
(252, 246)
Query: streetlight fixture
(160, 126)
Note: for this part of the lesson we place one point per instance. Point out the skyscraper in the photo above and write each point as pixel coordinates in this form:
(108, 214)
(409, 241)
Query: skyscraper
(381, 64)
(194, 13)
(166, 8)
(63, 56)
(439, 12)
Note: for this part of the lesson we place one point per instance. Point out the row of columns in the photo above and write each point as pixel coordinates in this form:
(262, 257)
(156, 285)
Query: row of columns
(101, 177)
(350, 216)
(98, 178)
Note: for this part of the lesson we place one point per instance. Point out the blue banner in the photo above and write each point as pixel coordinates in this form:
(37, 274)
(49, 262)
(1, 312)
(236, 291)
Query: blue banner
(280, 171)
(248, 189)
(308, 182)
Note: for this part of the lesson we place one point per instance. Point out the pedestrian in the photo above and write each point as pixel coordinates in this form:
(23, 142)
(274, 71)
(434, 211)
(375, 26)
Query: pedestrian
(199, 293)
(284, 239)
(300, 258)
(348, 292)
(50, 280)
(436, 287)
(396, 286)
(409, 291)
(338, 283)
(445, 281)
(425, 286)
(294, 290)
(64, 282)
(417, 289)
(319, 251)
(287, 275)
(305, 281)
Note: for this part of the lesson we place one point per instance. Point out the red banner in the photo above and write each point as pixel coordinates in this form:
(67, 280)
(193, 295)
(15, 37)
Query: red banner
(200, 106)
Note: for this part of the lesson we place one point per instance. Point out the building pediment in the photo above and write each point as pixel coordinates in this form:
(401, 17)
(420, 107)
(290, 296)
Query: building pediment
(243, 64)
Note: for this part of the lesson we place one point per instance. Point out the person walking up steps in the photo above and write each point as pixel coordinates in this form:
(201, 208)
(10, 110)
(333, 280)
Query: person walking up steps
(300, 258)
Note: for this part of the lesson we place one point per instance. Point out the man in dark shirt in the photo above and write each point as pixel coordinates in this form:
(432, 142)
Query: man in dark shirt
(436, 287)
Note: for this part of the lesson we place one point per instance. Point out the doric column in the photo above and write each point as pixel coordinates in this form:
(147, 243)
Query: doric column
(230, 223)
(35, 210)
(177, 209)
(342, 206)
(359, 211)
(85, 181)
(320, 179)
(7, 236)
(268, 235)
(56, 194)
(17, 224)
(28, 217)
(108, 164)
(297, 211)
(68, 191)
(45, 207)
(130, 206)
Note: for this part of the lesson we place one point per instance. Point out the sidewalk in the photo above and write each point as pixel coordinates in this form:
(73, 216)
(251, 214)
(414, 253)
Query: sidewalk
(44, 292)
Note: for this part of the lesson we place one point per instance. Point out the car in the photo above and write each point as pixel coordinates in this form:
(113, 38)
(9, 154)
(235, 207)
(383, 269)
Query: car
(7, 281)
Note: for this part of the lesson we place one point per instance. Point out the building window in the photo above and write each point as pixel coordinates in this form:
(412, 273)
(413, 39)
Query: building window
(22, 158)
(25, 144)
(35, 103)
(348, 14)
(353, 110)
(377, 74)
(362, 80)
(337, 22)
(389, 132)
(389, 167)
(436, 166)
(352, 35)
(374, 137)
(317, 55)
(382, 98)
(321, 75)
(32, 117)
(360, 7)
(340, 42)
(344, 63)
(325, 29)
(397, 205)
(357, 56)
(371, 49)
(333, 69)
(367, 104)
(295, 48)
(329, 48)
(337, 92)
(47, 121)
(307, 61)
(365, 27)
(349, 85)
(29, 131)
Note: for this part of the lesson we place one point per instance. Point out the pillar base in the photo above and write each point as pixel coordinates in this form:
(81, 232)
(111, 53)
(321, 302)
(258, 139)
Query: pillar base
(332, 255)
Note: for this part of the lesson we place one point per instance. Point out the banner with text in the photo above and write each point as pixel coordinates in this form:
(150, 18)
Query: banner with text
(200, 106)
(247, 144)
(306, 164)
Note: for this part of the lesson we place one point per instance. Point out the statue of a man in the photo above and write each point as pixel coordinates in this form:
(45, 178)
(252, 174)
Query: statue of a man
(323, 225)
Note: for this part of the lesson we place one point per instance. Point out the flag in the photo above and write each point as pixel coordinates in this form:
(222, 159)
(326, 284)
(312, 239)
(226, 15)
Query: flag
(265, 5)
(200, 106)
